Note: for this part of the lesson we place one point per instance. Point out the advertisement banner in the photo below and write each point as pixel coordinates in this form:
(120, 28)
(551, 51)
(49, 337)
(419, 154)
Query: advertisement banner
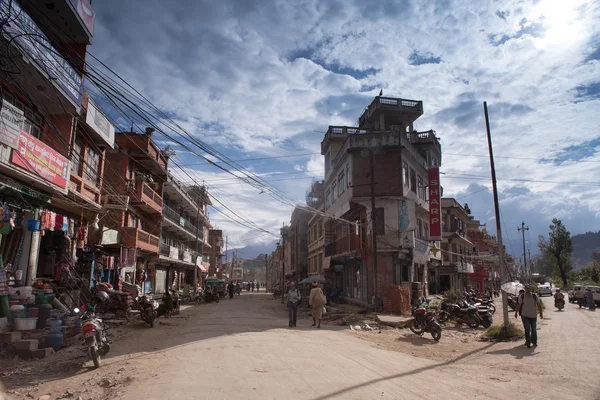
(86, 13)
(100, 124)
(37, 157)
(435, 205)
(11, 119)
(35, 45)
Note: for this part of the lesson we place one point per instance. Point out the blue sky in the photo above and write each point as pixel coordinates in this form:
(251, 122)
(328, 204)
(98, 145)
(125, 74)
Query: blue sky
(258, 79)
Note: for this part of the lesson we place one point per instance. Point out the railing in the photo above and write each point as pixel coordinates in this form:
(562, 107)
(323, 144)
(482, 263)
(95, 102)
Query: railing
(145, 194)
(390, 102)
(176, 218)
(134, 237)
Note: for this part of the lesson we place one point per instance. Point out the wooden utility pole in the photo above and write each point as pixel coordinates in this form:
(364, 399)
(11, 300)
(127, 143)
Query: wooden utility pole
(522, 229)
(374, 222)
(503, 272)
(282, 261)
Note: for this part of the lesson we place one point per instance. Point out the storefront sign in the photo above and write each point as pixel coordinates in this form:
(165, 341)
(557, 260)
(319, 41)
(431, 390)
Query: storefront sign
(36, 45)
(110, 236)
(100, 124)
(86, 13)
(39, 158)
(11, 119)
(447, 270)
(339, 268)
(435, 205)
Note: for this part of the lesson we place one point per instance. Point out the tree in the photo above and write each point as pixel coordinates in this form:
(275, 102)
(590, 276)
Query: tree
(558, 248)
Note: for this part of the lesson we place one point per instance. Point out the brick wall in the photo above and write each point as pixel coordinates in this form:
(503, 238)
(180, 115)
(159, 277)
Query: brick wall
(388, 174)
(396, 299)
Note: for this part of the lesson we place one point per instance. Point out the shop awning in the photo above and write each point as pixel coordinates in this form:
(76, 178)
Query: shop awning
(202, 268)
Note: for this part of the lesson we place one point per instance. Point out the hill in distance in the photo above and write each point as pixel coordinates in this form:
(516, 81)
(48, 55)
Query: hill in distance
(583, 247)
(253, 250)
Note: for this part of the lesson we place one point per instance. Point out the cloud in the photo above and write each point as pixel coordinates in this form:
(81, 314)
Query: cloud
(264, 79)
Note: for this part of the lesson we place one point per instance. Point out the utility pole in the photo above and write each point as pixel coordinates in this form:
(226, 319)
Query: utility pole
(374, 222)
(522, 229)
(266, 266)
(503, 272)
(282, 261)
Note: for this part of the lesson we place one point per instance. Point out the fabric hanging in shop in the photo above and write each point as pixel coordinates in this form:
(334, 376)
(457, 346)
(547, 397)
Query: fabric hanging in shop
(58, 225)
(71, 231)
(52, 221)
(3, 283)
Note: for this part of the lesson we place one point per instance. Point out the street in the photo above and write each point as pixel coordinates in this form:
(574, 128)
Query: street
(242, 349)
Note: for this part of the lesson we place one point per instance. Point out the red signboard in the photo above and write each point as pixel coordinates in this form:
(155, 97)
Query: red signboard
(435, 204)
(41, 159)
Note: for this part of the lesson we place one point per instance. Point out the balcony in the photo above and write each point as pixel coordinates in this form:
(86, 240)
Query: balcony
(74, 16)
(343, 246)
(147, 199)
(176, 223)
(142, 240)
(391, 107)
(177, 254)
(142, 149)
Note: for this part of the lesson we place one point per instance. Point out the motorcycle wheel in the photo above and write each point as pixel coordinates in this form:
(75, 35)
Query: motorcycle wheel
(416, 328)
(443, 316)
(217, 299)
(95, 357)
(436, 333)
(492, 308)
(486, 323)
(472, 321)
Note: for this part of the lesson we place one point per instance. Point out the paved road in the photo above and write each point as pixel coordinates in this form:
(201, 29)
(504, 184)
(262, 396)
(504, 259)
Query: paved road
(242, 349)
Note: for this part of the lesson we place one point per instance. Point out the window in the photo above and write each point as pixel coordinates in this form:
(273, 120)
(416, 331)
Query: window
(413, 180)
(405, 174)
(420, 188)
(327, 162)
(132, 220)
(347, 175)
(341, 186)
(333, 188)
(32, 121)
(77, 157)
(92, 165)
(328, 198)
(426, 232)
(419, 229)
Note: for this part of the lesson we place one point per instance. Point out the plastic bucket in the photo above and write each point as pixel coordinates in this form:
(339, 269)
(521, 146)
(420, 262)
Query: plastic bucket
(24, 291)
(25, 324)
(17, 311)
(33, 312)
(33, 225)
(55, 325)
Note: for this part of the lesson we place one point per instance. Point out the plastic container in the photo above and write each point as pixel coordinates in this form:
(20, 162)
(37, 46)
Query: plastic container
(17, 311)
(24, 291)
(33, 312)
(55, 340)
(44, 315)
(33, 225)
(25, 324)
(13, 303)
(55, 325)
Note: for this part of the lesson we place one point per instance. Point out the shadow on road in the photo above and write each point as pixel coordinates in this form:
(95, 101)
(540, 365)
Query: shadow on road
(402, 374)
(418, 340)
(519, 352)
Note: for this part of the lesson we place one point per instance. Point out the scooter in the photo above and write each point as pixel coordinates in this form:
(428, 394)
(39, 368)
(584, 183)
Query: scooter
(559, 303)
(148, 309)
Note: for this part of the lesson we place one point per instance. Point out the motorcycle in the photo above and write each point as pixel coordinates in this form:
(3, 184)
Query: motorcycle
(559, 303)
(467, 314)
(209, 297)
(238, 290)
(94, 335)
(424, 321)
(486, 302)
(148, 309)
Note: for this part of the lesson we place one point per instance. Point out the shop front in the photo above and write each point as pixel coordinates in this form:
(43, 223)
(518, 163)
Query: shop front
(355, 280)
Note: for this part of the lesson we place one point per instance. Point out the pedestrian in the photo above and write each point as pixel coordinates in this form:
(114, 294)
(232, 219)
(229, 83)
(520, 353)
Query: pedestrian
(317, 300)
(258, 286)
(252, 286)
(293, 298)
(528, 307)
(589, 295)
(580, 296)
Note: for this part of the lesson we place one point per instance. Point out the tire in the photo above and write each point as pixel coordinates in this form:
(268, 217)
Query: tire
(436, 333)
(472, 321)
(492, 308)
(486, 323)
(217, 299)
(95, 357)
(443, 316)
(416, 328)
(151, 322)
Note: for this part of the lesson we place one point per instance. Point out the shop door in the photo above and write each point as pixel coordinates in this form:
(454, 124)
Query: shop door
(445, 283)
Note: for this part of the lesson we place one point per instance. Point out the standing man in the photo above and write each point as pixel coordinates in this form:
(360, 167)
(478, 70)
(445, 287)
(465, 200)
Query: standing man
(258, 286)
(317, 300)
(293, 298)
(528, 307)
(252, 286)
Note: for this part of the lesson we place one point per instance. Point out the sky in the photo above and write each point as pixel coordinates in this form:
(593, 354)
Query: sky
(262, 79)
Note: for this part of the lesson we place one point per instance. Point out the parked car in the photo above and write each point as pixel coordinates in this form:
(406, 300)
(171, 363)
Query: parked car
(544, 290)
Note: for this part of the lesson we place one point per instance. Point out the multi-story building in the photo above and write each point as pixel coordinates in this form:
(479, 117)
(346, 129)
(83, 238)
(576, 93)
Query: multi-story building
(183, 236)
(384, 161)
(298, 241)
(51, 153)
(215, 239)
(317, 264)
(457, 249)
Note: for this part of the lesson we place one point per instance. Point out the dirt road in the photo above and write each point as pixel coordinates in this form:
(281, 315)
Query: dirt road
(242, 349)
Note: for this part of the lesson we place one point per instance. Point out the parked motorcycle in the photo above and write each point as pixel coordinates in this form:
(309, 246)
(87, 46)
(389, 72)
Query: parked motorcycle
(424, 321)
(238, 290)
(211, 296)
(148, 309)
(560, 304)
(468, 315)
(486, 301)
(94, 332)
(485, 313)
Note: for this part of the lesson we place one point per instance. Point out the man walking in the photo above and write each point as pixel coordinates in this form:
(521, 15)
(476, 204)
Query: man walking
(317, 300)
(293, 298)
(528, 307)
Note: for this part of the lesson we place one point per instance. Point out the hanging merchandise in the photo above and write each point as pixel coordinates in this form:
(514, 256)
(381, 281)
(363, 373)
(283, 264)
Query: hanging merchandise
(44, 220)
(2, 213)
(58, 223)
(52, 221)
(12, 220)
(65, 225)
(81, 236)
(95, 225)
(71, 230)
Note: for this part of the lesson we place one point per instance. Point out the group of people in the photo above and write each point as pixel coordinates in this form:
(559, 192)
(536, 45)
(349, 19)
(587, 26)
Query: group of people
(316, 301)
(585, 299)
